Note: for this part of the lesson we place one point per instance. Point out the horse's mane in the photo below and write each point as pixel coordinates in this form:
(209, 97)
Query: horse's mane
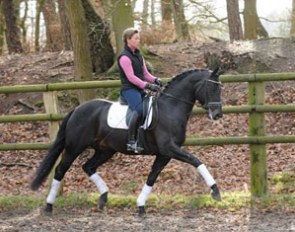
(180, 76)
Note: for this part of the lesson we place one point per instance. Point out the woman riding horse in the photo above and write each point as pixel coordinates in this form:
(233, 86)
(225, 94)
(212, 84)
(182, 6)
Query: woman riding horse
(134, 78)
(87, 126)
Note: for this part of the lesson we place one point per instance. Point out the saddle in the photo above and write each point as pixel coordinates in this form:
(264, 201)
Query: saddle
(119, 113)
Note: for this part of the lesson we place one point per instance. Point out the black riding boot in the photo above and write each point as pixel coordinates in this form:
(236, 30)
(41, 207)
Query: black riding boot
(133, 144)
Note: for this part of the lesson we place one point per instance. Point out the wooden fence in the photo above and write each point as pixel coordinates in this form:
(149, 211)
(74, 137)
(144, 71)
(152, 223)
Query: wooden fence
(257, 138)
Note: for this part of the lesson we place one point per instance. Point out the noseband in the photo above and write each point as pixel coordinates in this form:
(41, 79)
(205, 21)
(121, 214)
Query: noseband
(209, 103)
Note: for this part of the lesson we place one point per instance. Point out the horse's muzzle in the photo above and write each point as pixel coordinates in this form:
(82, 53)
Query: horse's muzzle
(214, 110)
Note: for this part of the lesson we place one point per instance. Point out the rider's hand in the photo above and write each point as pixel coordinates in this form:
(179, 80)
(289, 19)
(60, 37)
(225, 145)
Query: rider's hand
(159, 82)
(153, 87)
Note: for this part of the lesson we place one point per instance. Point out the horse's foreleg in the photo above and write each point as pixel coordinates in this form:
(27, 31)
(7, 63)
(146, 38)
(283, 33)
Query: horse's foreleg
(184, 156)
(202, 169)
(90, 168)
(102, 188)
(158, 165)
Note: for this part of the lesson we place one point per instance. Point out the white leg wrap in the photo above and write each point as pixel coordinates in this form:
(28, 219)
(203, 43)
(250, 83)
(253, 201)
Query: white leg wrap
(100, 184)
(53, 191)
(206, 175)
(146, 190)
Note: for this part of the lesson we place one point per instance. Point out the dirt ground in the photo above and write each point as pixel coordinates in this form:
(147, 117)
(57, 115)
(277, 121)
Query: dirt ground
(170, 221)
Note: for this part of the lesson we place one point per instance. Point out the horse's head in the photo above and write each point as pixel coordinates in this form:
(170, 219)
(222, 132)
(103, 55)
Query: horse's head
(211, 99)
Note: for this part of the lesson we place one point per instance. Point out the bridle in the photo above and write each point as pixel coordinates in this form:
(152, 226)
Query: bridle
(210, 103)
(199, 88)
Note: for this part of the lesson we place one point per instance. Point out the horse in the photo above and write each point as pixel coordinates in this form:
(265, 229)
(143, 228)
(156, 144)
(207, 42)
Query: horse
(86, 127)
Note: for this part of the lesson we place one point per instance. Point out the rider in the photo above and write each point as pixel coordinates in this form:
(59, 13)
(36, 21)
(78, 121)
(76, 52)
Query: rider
(134, 78)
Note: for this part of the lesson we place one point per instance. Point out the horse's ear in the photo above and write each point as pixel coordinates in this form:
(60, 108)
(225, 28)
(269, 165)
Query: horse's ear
(217, 71)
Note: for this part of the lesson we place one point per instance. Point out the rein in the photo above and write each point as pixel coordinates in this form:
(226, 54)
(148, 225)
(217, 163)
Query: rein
(178, 99)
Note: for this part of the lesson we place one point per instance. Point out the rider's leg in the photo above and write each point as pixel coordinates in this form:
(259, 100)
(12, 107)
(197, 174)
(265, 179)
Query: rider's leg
(132, 131)
(134, 100)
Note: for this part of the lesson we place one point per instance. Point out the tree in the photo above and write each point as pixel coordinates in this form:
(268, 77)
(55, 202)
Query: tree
(1, 29)
(252, 24)
(65, 26)
(122, 18)
(292, 31)
(166, 12)
(234, 20)
(101, 50)
(180, 22)
(82, 60)
(145, 14)
(153, 18)
(23, 22)
(12, 32)
(39, 7)
(53, 26)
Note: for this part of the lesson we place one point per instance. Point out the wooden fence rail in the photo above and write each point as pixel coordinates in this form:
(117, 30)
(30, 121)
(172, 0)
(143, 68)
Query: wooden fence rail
(188, 142)
(196, 110)
(257, 129)
(116, 83)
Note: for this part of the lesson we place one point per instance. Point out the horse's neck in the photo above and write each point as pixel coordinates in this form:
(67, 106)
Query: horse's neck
(178, 104)
(182, 89)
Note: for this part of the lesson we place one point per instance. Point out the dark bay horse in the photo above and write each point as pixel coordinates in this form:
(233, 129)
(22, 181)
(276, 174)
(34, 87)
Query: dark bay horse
(86, 126)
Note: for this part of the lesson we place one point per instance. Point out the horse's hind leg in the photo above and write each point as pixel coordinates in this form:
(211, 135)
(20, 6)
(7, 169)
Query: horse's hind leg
(99, 158)
(68, 158)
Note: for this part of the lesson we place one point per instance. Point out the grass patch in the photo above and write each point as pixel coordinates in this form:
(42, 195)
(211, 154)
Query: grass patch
(14, 202)
(283, 181)
(230, 201)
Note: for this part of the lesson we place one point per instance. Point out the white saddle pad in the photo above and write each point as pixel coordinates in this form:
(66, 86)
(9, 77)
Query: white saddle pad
(117, 116)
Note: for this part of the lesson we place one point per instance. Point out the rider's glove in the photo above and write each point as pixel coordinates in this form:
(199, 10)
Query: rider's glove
(153, 87)
(159, 82)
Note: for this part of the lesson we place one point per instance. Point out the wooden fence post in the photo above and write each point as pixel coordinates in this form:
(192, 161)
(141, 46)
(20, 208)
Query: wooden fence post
(256, 96)
(50, 103)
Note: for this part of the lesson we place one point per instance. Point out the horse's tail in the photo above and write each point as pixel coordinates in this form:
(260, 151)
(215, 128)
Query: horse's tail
(52, 155)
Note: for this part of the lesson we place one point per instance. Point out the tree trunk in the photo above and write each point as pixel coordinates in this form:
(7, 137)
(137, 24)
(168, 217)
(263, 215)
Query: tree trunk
(180, 22)
(101, 8)
(23, 23)
(234, 20)
(166, 12)
(122, 18)
(82, 60)
(65, 26)
(39, 7)
(292, 31)
(53, 26)
(101, 50)
(153, 18)
(12, 31)
(145, 14)
(1, 30)
(252, 24)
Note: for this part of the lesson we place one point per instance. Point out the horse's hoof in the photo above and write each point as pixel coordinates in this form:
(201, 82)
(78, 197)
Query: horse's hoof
(48, 210)
(103, 200)
(141, 211)
(215, 194)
